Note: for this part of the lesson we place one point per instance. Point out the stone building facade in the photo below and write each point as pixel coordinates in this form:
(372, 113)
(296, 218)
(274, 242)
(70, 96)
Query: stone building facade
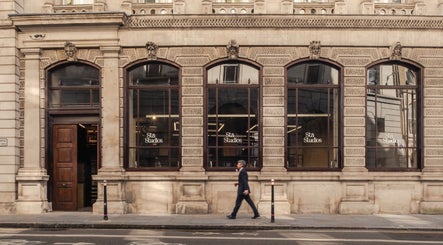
(338, 102)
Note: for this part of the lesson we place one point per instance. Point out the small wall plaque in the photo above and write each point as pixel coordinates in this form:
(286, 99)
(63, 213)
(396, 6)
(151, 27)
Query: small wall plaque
(3, 142)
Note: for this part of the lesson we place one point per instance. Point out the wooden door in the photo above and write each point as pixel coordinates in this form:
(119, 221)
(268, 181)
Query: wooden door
(65, 167)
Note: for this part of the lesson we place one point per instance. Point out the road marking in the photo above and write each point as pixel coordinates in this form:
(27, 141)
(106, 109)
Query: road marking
(206, 233)
(137, 237)
(246, 234)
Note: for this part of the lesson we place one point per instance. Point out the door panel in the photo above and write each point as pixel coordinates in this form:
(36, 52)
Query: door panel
(65, 167)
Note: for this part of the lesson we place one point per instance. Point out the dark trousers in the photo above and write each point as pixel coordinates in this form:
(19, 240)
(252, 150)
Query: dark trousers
(238, 202)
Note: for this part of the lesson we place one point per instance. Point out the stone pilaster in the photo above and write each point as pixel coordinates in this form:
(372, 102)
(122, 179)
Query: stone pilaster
(273, 165)
(367, 8)
(192, 196)
(192, 186)
(32, 177)
(9, 120)
(432, 200)
(420, 8)
(354, 118)
(192, 121)
(432, 123)
(259, 7)
(111, 168)
(206, 7)
(273, 121)
(281, 203)
(179, 7)
(341, 7)
(287, 6)
(355, 197)
(110, 123)
(126, 6)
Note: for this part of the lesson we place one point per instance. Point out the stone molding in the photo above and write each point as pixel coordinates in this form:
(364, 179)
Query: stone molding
(286, 21)
(230, 21)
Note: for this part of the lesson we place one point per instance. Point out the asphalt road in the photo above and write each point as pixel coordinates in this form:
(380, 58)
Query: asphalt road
(200, 237)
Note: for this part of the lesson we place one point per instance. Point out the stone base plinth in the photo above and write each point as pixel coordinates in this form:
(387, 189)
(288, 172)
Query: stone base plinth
(431, 207)
(356, 207)
(280, 207)
(192, 207)
(32, 207)
(114, 207)
(31, 192)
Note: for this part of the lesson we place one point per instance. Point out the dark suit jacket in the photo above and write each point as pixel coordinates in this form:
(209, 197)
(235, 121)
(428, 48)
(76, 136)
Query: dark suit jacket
(243, 182)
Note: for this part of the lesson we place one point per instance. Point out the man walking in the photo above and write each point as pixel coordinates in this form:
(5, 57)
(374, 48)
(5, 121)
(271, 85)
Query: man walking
(243, 191)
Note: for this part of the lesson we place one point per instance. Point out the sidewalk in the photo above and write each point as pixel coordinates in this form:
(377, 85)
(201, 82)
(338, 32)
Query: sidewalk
(215, 221)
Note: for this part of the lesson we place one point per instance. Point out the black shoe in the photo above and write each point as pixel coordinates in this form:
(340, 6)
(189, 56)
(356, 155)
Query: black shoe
(256, 216)
(230, 217)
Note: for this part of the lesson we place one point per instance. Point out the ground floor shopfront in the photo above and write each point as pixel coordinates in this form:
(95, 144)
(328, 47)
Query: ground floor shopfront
(341, 126)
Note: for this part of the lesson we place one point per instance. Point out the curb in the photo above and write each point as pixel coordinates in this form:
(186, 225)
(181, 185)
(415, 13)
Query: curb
(58, 226)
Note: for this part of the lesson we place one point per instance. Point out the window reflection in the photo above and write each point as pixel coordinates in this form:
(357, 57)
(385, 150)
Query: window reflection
(313, 116)
(74, 86)
(232, 116)
(153, 108)
(391, 117)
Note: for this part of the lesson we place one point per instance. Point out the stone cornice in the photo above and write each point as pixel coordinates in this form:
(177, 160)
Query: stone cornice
(285, 21)
(68, 19)
(230, 21)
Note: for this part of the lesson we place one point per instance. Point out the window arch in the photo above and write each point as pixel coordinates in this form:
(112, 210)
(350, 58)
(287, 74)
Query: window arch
(313, 116)
(392, 113)
(233, 115)
(153, 125)
(74, 85)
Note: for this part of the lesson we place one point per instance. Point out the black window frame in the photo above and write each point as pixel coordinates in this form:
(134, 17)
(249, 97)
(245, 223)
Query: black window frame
(173, 125)
(291, 160)
(375, 90)
(72, 85)
(222, 85)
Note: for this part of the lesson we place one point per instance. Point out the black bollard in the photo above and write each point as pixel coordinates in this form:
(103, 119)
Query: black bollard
(272, 201)
(105, 202)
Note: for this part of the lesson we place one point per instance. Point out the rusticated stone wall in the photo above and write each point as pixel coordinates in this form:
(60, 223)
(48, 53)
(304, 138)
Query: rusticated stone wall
(333, 194)
(293, 195)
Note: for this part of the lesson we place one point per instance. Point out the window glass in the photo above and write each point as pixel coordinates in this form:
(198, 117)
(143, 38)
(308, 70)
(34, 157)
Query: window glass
(233, 73)
(74, 85)
(232, 116)
(391, 117)
(312, 129)
(73, 2)
(153, 117)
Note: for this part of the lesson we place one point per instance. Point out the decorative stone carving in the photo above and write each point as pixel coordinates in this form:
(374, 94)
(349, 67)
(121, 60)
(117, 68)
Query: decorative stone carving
(152, 49)
(283, 21)
(70, 51)
(396, 51)
(314, 49)
(38, 36)
(232, 49)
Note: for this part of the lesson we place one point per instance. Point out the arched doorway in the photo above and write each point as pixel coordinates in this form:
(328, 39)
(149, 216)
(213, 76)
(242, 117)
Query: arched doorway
(73, 106)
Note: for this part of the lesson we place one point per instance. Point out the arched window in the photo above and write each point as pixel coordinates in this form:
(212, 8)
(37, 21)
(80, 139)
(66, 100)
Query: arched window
(74, 85)
(232, 127)
(313, 116)
(153, 126)
(392, 102)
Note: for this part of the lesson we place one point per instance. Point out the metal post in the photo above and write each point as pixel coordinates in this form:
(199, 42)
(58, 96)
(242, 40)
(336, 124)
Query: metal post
(272, 202)
(105, 202)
